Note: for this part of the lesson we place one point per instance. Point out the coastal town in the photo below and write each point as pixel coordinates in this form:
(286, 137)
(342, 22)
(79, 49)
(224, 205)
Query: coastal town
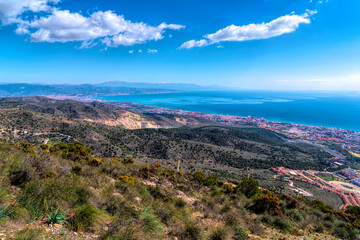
(343, 144)
(344, 183)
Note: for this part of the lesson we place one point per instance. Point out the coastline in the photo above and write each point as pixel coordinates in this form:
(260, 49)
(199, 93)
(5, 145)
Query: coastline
(345, 139)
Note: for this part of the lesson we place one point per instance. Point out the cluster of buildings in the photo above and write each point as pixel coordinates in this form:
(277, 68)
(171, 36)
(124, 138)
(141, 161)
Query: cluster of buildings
(348, 192)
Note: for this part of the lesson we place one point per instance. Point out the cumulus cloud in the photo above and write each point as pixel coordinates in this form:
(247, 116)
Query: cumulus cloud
(113, 30)
(11, 9)
(64, 26)
(274, 28)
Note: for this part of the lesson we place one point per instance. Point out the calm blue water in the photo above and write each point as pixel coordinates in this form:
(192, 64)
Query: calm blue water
(340, 110)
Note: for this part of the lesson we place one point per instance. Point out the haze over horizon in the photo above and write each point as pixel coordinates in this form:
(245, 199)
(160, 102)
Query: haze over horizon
(261, 44)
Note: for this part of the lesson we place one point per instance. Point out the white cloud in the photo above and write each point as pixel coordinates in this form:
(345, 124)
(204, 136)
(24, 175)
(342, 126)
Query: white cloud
(194, 43)
(11, 9)
(277, 27)
(64, 26)
(114, 30)
(152, 51)
(140, 51)
(131, 51)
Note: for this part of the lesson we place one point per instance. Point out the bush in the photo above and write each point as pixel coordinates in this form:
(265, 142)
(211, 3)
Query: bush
(41, 194)
(44, 146)
(210, 182)
(19, 177)
(28, 234)
(191, 232)
(240, 234)
(84, 217)
(4, 212)
(165, 214)
(283, 224)
(56, 216)
(249, 187)
(268, 203)
(353, 210)
(145, 172)
(76, 170)
(150, 223)
(294, 214)
(219, 233)
(72, 151)
(199, 177)
(179, 203)
(95, 161)
(126, 179)
(228, 188)
(128, 160)
(231, 220)
(321, 206)
(26, 147)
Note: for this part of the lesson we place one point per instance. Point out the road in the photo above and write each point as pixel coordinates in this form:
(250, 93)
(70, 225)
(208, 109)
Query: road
(335, 154)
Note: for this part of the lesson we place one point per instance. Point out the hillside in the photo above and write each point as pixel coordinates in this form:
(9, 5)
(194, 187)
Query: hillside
(105, 128)
(60, 191)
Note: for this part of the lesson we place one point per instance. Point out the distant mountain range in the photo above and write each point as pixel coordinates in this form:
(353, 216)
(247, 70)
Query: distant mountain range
(170, 86)
(90, 90)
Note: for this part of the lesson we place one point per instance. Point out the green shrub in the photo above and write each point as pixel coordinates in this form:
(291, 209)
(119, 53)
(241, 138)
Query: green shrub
(84, 217)
(179, 203)
(296, 215)
(50, 173)
(165, 214)
(283, 224)
(249, 187)
(240, 234)
(38, 194)
(268, 203)
(76, 170)
(228, 188)
(231, 220)
(353, 210)
(150, 223)
(20, 177)
(192, 231)
(72, 151)
(126, 180)
(210, 182)
(44, 146)
(26, 147)
(199, 177)
(145, 172)
(4, 212)
(29, 234)
(128, 160)
(321, 206)
(95, 161)
(56, 216)
(219, 233)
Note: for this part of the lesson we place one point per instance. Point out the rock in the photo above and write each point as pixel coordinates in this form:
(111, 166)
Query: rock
(138, 200)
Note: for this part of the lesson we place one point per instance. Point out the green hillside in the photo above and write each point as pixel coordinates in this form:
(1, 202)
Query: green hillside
(60, 191)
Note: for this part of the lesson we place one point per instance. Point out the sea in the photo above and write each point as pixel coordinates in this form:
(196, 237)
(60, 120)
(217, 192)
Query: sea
(328, 109)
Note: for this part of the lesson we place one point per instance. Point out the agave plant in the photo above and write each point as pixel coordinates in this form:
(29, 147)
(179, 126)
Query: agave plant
(4, 212)
(56, 216)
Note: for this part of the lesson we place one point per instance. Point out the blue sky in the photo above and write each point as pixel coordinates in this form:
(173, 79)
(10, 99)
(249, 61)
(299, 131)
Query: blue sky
(251, 44)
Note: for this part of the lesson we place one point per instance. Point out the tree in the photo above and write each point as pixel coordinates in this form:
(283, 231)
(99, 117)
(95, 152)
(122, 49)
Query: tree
(249, 187)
